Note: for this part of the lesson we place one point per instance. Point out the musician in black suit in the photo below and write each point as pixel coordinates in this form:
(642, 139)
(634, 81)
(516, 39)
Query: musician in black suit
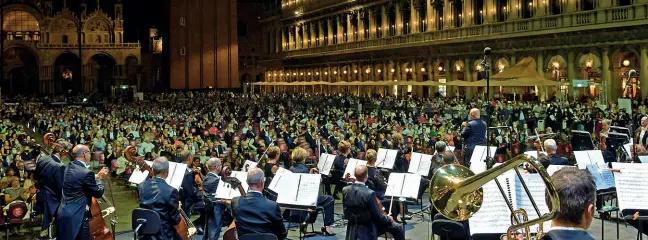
(210, 184)
(473, 133)
(401, 165)
(49, 175)
(254, 213)
(339, 165)
(189, 194)
(155, 194)
(554, 159)
(577, 193)
(80, 185)
(366, 220)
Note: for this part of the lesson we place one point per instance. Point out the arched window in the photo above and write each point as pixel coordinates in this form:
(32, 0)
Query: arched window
(64, 39)
(98, 39)
(20, 25)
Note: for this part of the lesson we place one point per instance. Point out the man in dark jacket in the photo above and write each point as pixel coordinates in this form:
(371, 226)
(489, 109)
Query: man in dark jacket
(254, 213)
(551, 147)
(473, 133)
(80, 185)
(210, 185)
(155, 194)
(363, 213)
(49, 175)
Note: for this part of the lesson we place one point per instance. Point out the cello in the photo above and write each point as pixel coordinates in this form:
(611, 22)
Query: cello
(230, 233)
(97, 222)
(185, 228)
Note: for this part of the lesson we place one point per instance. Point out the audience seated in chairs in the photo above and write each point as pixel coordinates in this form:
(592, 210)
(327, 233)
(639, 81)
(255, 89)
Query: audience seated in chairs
(15, 193)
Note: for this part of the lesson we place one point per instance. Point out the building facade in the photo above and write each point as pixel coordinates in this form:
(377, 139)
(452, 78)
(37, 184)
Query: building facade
(595, 41)
(43, 48)
(203, 44)
(250, 44)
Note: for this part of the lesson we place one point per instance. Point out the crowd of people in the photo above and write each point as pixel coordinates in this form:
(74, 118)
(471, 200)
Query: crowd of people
(237, 127)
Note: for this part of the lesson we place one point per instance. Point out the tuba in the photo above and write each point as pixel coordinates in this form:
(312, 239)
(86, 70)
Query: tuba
(456, 192)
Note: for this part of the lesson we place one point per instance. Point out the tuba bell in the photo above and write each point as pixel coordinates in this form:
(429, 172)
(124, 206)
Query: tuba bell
(456, 192)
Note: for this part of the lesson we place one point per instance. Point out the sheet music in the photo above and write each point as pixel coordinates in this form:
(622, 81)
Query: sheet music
(555, 168)
(242, 177)
(388, 160)
(536, 187)
(584, 158)
(299, 189)
(420, 164)
(478, 167)
(225, 191)
(494, 215)
(174, 178)
(250, 164)
(627, 149)
(643, 159)
(274, 184)
(351, 166)
(480, 153)
(596, 157)
(597, 173)
(631, 186)
(325, 163)
(403, 185)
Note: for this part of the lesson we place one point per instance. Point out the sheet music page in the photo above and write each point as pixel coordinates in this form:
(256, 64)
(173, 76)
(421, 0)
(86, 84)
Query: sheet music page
(250, 164)
(424, 165)
(274, 184)
(309, 186)
(618, 165)
(596, 157)
(172, 173)
(582, 159)
(390, 159)
(415, 160)
(225, 191)
(325, 163)
(287, 188)
(494, 215)
(537, 188)
(627, 149)
(478, 167)
(608, 176)
(555, 168)
(380, 156)
(138, 176)
(631, 186)
(411, 185)
(598, 179)
(352, 164)
(395, 184)
(479, 154)
(178, 175)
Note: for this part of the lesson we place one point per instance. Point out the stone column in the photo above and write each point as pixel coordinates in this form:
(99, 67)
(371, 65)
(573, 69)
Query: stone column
(372, 23)
(385, 21)
(467, 19)
(312, 26)
(390, 74)
(571, 6)
(540, 68)
(429, 17)
(340, 29)
(468, 75)
(643, 71)
(513, 60)
(320, 37)
(297, 37)
(361, 30)
(447, 14)
(448, 77)
(290, 38)
(329, 38)
(349, 32)
(605, 74)
(414, 22)
(304, 36)
(399, 20)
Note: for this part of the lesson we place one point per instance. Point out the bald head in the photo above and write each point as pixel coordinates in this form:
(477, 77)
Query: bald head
(161, 167)
(79, 152)
(474, 114)
(214, 165)
(255, 179)
(550, 146)
(361, 173)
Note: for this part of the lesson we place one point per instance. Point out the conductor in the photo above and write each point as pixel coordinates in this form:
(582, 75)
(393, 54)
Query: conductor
(473, 133)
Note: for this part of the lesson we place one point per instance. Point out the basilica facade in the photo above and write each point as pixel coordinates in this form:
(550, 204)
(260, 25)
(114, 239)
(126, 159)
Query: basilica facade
(51, 47)
(361, 46)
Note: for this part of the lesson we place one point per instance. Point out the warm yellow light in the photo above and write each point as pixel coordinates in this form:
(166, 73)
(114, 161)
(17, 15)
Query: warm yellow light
(440, 69)
(317, 73)
(556, 64)
(334, 72)
(345, 72)
(626, 62)
(268, 74)
(355, 71)
(392, 70)
(422, 69)
(294, 74)
(325, 73)
(368, 70)
(406, 69)
(588, 63)
(275, 75)
(281, 74)
(309, 73)
(479, 67)
(379, 70)
(301, 74)
(500, 67)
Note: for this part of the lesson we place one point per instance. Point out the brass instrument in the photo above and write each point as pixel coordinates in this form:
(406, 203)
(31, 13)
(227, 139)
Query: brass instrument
(456, 192)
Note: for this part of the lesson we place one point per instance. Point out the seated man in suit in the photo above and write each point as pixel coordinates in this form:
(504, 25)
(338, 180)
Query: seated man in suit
(362, 211)
(155, 194)
(254, 213)
(210, 184)
(577, 193)
(551, 147)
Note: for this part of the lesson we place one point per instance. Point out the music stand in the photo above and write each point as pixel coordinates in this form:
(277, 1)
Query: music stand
(622, 130)
(619, 138)
(581, 140)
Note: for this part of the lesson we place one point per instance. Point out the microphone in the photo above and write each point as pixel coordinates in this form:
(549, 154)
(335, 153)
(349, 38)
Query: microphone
(487, 51)
(631, 74)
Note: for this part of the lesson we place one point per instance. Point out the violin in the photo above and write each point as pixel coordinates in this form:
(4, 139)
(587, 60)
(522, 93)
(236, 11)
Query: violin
(185, 227)
(231, 233)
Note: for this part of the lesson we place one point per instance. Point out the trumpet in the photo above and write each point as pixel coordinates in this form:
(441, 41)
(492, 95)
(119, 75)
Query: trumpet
(456, 192)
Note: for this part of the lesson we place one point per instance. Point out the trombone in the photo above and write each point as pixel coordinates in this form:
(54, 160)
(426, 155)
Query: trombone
(456, 192)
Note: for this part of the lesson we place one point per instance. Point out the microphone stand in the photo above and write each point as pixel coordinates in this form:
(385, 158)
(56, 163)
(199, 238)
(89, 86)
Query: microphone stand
(486, 66)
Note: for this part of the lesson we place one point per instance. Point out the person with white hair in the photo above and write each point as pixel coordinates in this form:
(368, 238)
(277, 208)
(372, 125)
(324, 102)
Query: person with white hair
(157, 195)
(551, 147)
(210, 185)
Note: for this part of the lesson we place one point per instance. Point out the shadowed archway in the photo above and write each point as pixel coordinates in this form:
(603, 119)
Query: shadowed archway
(21, 71)
(102, 72)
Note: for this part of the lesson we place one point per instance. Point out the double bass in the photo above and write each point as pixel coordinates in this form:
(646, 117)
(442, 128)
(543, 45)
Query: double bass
(230, 233)
(97, 222)
(185, 227)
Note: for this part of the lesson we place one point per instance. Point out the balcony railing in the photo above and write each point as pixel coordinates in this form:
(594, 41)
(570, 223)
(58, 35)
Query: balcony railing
(602, 16)
(89, 45)
(301, 6)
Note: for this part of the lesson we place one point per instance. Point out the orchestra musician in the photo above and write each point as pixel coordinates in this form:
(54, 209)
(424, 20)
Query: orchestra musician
(271, 167)
(339, 165)
(641, 135)
(210, 184)
(473, 133)
(253, 213)
(155, 194)
(362, 211)
(326, 202)
(49, 175)
(551, 147)
(401, 165)
(577, 192)
(80, 185)
(189, 193)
